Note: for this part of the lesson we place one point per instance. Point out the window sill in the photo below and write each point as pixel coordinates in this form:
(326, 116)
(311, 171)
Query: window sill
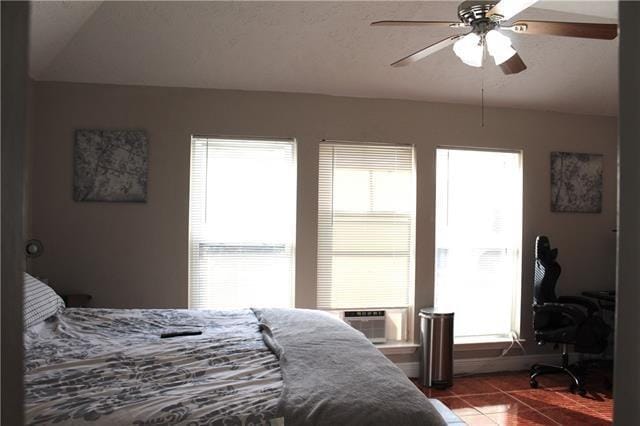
(397, 348)
(461, 345)
(476, 343)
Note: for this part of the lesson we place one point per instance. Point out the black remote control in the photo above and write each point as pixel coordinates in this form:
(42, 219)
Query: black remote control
(180, 333)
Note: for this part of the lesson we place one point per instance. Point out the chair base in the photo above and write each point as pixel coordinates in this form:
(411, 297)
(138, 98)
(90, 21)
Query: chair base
(576, 380)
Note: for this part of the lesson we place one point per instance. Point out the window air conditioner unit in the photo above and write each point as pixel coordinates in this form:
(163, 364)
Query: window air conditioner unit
(373, 324)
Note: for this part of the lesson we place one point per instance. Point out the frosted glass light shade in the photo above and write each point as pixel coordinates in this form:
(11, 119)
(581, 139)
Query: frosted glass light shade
(499, 46)
(469, 49)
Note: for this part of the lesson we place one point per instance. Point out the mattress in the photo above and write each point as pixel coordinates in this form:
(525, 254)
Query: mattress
(245, 367)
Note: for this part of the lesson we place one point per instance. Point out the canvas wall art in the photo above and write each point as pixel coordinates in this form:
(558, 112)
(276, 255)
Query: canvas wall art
(110, 165)
(576, 182)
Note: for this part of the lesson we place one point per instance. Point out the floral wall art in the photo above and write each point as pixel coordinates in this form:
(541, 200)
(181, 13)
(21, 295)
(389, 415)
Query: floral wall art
(576, 182)
(110, 165)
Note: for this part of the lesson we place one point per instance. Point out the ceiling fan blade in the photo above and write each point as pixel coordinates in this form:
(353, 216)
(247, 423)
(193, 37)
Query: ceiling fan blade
(507, 9)
(567, 29)
(513, 65)
(423, 53)
(417, 24)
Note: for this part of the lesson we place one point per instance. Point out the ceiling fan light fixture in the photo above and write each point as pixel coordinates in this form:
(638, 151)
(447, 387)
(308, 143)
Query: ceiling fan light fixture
(486, 19)
(469, 49)
(499, 46)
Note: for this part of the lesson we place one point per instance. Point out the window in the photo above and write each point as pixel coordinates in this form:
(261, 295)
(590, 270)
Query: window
(366, 226)
(242, 223)
(479, 239)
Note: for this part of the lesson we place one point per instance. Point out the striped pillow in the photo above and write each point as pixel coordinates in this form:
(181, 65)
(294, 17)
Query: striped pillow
(40, 301)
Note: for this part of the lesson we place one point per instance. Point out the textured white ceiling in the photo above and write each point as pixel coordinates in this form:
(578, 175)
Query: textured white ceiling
(53, 24)
(317, 47)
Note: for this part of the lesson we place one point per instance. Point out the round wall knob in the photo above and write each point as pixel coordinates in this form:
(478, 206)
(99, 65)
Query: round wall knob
(33, 248)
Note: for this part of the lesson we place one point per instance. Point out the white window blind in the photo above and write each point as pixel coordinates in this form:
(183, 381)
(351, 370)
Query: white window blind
(479, 239)
(366, 226)
(242, 223)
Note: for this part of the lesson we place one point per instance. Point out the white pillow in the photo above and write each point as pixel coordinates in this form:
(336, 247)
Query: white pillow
(40, 301)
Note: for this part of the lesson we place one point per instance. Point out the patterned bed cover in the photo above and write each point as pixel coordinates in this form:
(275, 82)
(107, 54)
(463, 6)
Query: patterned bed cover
(110, 367)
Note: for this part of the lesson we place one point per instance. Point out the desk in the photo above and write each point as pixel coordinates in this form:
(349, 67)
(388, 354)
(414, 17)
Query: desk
(606, 298)
(607, 301)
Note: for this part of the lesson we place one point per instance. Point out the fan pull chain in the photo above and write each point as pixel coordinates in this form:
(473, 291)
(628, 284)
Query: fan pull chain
(482, 98)
(482, 85)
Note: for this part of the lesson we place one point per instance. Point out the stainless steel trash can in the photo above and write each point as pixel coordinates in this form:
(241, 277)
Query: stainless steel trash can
(436, 348)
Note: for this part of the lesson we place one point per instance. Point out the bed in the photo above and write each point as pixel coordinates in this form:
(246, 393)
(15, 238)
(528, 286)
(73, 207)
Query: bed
(247, 367)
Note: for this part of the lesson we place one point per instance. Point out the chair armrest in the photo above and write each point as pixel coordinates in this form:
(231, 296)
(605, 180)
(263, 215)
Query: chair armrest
(575, 315)
(590, 305)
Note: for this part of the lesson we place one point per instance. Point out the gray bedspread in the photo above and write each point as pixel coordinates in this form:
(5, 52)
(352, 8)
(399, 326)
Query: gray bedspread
(110, 367)
(333, 375)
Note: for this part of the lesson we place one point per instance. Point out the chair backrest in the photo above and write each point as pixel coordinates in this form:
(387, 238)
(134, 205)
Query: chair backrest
(547, 272)
(589, 336)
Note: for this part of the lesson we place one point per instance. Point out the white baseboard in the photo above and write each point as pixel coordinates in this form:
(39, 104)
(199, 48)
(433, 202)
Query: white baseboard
(411, 369)
(489, 365)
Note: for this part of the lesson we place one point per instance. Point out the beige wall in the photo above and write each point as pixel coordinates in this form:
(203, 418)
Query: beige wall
(135, 255)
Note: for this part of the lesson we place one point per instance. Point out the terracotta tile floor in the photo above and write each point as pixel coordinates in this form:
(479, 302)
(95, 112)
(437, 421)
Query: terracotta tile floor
(507, 399)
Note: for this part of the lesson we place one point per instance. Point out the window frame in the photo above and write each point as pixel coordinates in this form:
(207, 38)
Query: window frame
(295, 164)
(408, 329)
(480, 341)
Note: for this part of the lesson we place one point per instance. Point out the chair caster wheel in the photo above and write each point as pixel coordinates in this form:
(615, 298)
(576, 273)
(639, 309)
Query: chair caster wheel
(533, 383)
(577, 389)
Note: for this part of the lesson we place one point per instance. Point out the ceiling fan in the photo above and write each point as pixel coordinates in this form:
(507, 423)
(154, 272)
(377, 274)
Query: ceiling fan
(487, 21)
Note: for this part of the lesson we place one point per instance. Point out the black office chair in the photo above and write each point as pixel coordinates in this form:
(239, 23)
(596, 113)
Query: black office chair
(564, 320)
